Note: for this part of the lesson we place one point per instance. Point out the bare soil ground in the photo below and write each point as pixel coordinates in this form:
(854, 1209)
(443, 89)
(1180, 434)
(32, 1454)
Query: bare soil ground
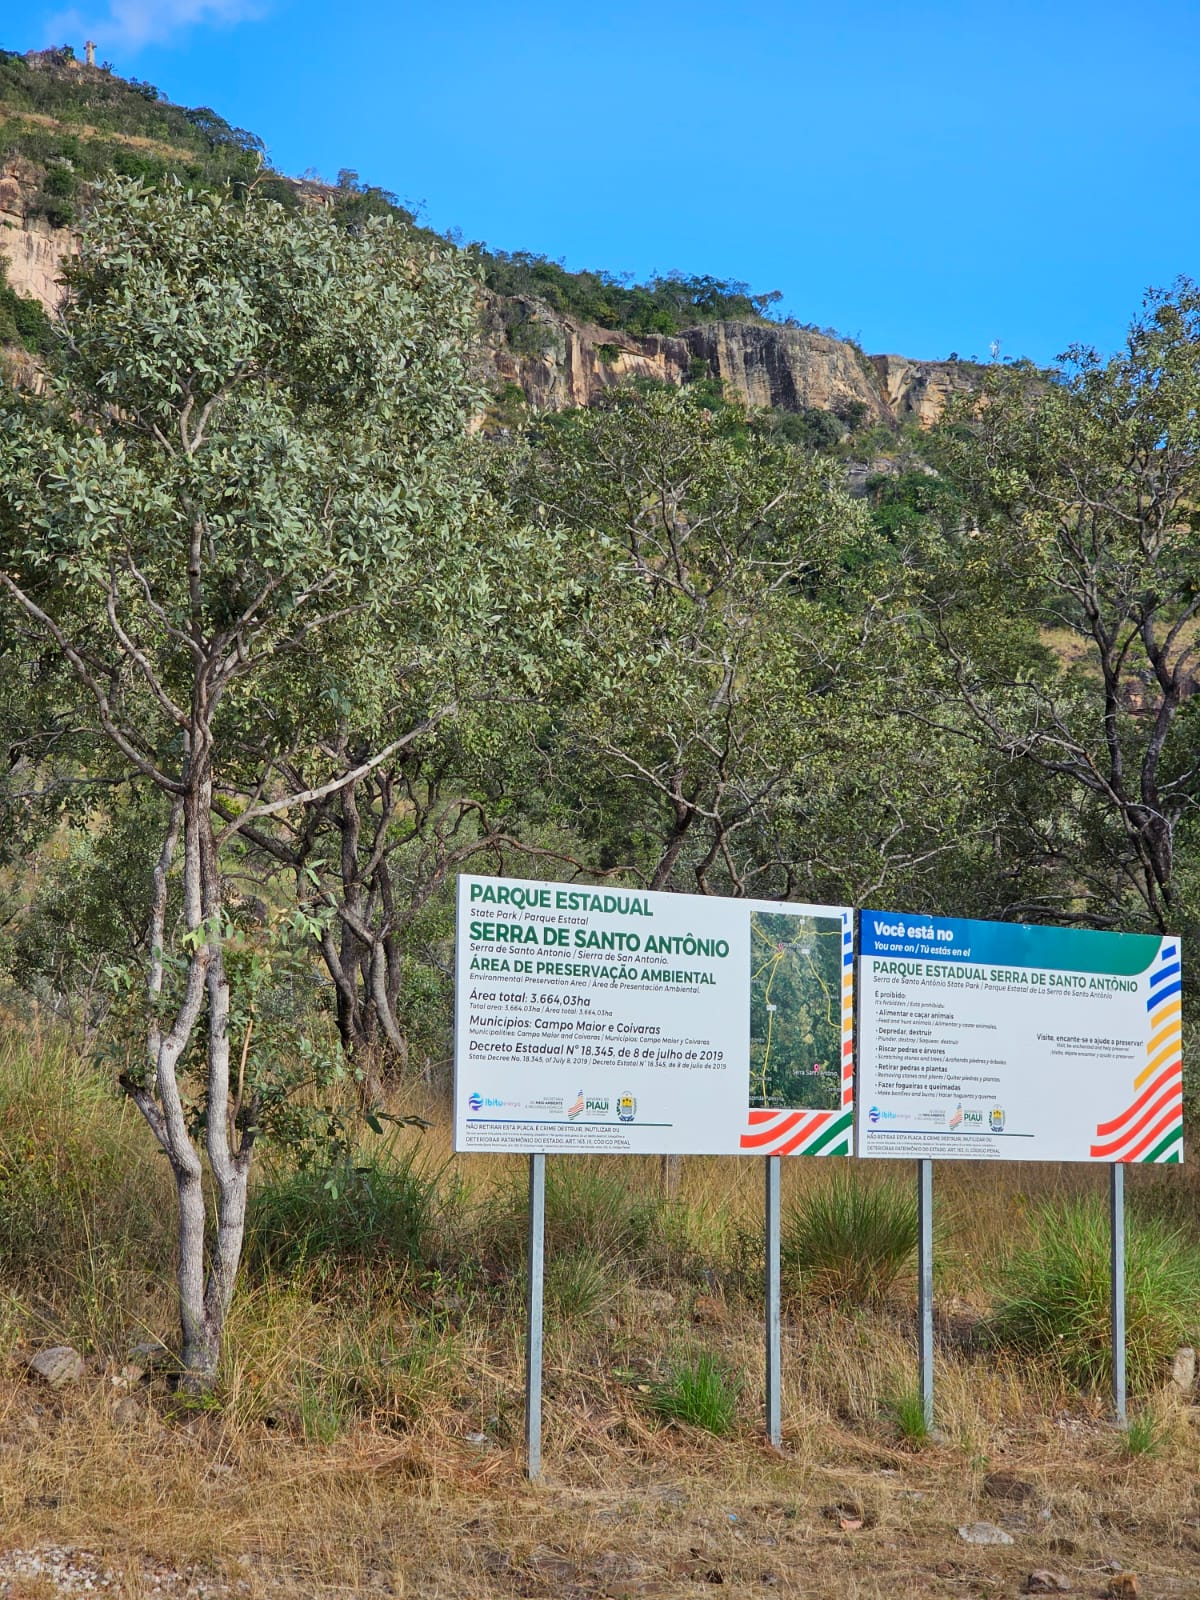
(103, 1492)
(366, 1438)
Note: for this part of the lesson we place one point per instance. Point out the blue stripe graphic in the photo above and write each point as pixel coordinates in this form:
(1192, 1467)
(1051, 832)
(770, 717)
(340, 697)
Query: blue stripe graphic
(1164, 973)
(1157, 999)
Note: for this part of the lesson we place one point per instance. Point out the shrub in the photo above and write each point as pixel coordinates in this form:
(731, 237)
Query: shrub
(382, 1212)
(1056, 1295)
(850, 1240)
(529, 337)
(595, 1210)
(22, 321)
(702, 1393)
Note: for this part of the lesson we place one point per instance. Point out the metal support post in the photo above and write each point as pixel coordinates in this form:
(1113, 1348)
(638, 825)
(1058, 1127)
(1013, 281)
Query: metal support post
(1116, 1212)
(774, 1336)
(925, 1286)
(533, 1346)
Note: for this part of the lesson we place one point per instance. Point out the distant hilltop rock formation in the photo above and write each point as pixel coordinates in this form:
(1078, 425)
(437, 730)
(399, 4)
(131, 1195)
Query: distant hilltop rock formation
(559, 362)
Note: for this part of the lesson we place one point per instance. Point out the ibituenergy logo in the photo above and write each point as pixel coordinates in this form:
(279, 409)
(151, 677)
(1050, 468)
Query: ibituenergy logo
(476, 1102)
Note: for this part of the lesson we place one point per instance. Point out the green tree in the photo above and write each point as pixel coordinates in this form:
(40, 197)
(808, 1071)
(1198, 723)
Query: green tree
(712, 625)
(367, 858)
(1085, 489)
(246, 464)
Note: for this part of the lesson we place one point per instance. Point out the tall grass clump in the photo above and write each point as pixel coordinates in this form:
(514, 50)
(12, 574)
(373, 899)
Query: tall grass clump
(324, 1218)
(1055, 1295)
(84, 1207)
(906, 1410)
(849, 1240)
(702, 1393)
(593, 1210)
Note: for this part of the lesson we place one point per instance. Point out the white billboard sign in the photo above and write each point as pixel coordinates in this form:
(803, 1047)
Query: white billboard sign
(589, 1018)
(997, 1041)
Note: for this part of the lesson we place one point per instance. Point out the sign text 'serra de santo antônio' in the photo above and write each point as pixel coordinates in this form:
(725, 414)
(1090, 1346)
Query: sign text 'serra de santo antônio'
(593, 1018)
(993, 1040)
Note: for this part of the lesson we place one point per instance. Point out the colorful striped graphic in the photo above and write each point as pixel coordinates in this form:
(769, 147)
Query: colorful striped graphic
(811, 1133)
(847, 1012)
(798, 1133)
(1151, 1127)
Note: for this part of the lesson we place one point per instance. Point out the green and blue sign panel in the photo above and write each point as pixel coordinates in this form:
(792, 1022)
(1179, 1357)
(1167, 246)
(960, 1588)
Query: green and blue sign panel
(1001, 1041)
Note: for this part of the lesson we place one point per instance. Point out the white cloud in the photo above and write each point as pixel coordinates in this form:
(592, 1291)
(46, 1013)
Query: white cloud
(130, 24)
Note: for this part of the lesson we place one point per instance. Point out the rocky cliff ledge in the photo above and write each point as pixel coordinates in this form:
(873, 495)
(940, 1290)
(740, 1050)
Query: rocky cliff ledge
(31, 247)
(558, 362)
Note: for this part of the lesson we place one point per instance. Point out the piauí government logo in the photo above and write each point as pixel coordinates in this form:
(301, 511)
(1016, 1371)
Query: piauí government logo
(626, 1108)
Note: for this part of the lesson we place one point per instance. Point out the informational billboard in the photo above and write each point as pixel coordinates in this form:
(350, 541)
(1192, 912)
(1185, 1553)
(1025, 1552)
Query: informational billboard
(997, 1041)
(633, 1022)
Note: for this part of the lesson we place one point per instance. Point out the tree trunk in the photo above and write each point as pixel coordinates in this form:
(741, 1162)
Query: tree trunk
(206, 1277)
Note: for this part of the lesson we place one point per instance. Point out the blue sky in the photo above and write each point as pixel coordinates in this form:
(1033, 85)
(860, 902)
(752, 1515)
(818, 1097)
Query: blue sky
(925, 177)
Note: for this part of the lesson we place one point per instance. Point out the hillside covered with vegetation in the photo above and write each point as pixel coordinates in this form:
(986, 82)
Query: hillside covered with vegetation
(289, 641)
(107, 124)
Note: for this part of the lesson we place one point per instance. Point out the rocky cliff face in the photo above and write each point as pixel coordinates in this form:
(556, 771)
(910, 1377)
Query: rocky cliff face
(918, 390)
(33, 249)
(558, 362)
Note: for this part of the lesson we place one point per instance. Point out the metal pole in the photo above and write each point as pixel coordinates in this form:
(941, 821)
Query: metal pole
(774, 1337)
(533, 1346)
(925, 1285)
(1116, 1212)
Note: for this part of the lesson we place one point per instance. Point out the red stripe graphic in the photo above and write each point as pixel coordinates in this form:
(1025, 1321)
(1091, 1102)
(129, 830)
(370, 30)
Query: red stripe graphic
(1171, 1104)
(782, 1125)
(1172, 1119)
(1174, 1070)
(798, 1138)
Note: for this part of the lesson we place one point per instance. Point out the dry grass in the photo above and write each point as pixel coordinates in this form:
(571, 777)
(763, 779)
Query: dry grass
(368, 1436)
(83, 130)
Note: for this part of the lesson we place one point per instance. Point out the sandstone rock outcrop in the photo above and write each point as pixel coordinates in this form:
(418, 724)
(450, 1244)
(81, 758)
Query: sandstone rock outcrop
(918, 390)
(32, 248)
(787, 369)
(559, 362)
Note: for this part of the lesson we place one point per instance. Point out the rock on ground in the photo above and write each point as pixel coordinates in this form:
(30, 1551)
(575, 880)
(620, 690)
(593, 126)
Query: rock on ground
(56, 1366)
(984, 1533)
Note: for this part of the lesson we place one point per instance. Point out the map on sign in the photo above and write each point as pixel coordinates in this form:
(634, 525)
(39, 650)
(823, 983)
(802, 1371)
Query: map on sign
(795, 1011)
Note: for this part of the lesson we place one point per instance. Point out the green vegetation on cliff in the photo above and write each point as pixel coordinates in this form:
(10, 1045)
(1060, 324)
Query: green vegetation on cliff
(76, 124)
(101, 124)
(665, 304)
